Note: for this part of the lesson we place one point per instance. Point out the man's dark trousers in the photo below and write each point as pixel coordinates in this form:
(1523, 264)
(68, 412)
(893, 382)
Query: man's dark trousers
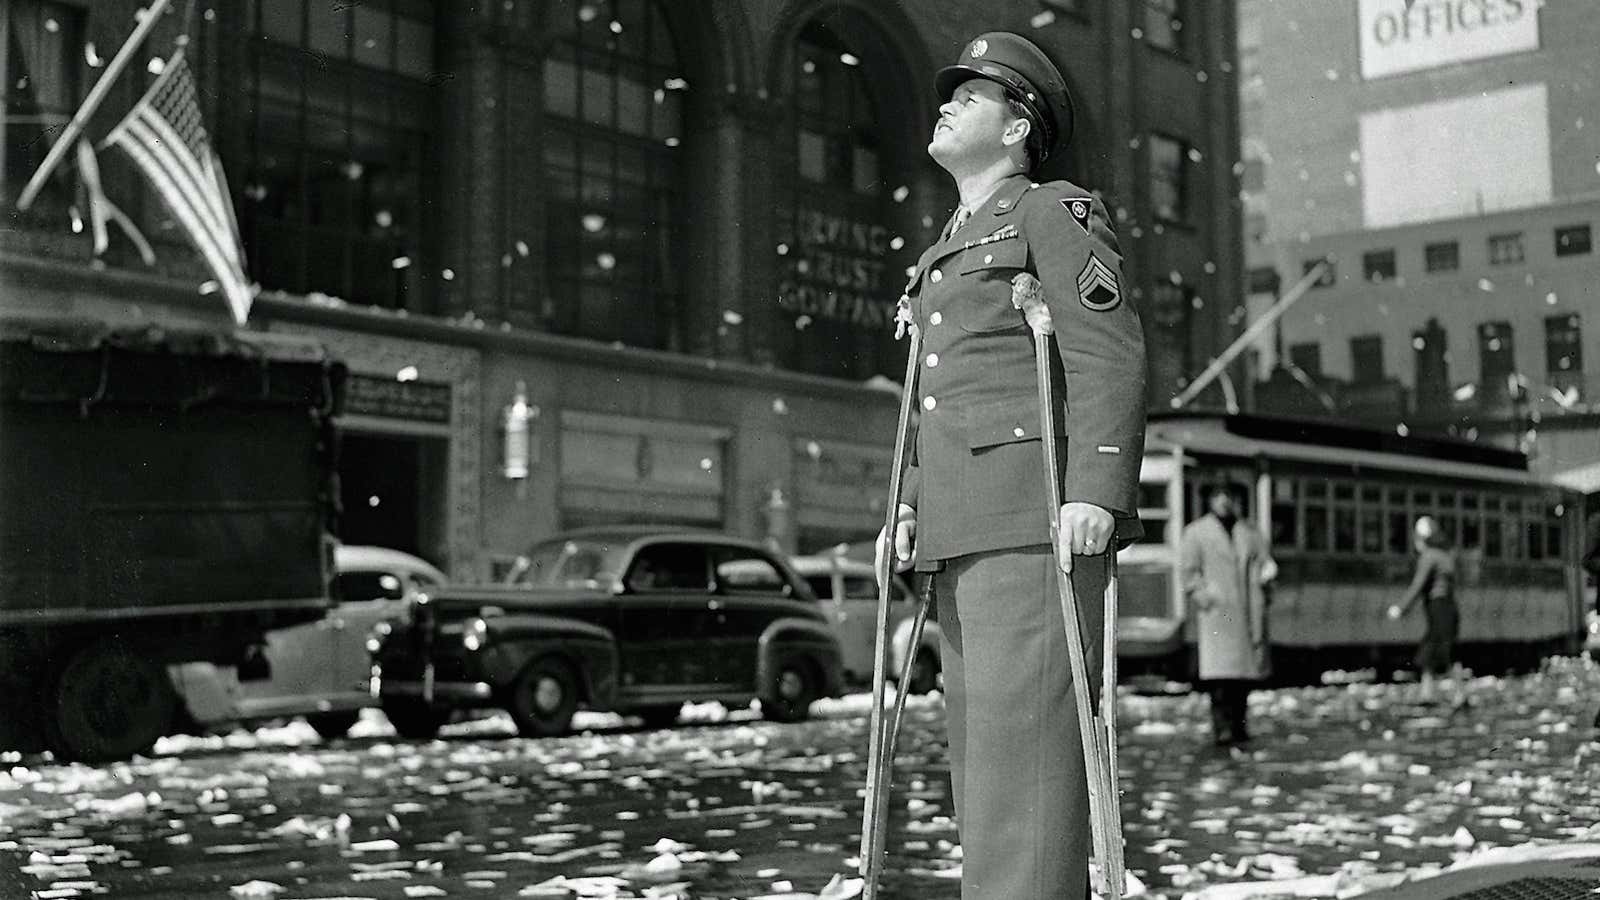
(1016, 761)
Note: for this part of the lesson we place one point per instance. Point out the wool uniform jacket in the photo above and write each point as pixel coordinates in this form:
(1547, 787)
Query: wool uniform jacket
(976, 473)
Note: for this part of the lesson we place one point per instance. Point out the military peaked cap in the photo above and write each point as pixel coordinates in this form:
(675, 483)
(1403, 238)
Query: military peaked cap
(1027, 74)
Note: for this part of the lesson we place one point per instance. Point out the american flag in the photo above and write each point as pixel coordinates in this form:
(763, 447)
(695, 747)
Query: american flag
(165, 138)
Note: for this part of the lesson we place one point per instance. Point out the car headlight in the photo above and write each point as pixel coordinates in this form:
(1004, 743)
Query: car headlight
(476, 634)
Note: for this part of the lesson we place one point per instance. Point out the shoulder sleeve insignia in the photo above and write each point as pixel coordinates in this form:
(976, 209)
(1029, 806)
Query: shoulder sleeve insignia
(1098, 288)
(1078, 208)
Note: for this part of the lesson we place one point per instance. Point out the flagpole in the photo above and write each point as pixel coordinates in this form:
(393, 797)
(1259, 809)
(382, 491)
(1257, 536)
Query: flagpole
(97, 94)
(1256, 328)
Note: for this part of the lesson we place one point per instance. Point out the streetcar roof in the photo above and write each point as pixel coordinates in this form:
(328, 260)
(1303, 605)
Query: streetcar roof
(1249, 437)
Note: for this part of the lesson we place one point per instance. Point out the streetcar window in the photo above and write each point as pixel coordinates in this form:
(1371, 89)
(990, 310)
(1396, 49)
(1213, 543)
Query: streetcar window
(1447, 499)
(1492, 503)
(1397, 497)
(1285, 528)
(1371, 495)
(1471, 533)
(1447, 524)
(1491, 535)
(1316, 528)
(1421, 500)
(1399, 533)
(1371, 529)
(1469, 500)
(1344, 491)
(1535, 540)
(1344, 530)
(1283, 490)
(1315, 489)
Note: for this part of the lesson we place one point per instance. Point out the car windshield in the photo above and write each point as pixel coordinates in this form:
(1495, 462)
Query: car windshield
(568, 563)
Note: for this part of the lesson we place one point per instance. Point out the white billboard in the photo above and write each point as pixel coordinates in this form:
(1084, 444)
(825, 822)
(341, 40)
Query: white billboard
(1407, 35)
(1459, 157)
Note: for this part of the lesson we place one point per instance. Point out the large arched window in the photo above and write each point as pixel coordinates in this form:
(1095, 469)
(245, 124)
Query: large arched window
(841, 253)
(613, 101)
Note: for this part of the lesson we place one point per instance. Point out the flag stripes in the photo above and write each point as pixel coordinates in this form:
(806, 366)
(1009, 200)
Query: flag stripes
(165, 138)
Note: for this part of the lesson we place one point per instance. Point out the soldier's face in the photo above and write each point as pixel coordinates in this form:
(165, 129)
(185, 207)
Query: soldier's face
(972, 125)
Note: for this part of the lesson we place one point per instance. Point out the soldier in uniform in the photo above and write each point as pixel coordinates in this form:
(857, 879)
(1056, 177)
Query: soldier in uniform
(974, 515)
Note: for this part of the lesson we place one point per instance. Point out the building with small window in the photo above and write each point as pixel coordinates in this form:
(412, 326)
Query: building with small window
(599, 261)
(1443, 155)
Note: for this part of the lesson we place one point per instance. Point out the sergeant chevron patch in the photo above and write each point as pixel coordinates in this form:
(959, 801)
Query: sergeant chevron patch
(1078, 209)
(1097, 286)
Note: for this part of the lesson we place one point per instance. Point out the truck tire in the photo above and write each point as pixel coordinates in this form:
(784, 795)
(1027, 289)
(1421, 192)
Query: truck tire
(413, 719)
(332, 726)
(787, 695)
(108, 702)
(543, 698)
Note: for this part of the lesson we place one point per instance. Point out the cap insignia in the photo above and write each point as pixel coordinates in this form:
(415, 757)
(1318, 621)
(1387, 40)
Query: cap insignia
(979, 48)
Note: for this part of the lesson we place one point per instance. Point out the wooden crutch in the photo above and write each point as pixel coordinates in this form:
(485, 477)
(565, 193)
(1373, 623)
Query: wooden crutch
(880, 751)
(1097, 728)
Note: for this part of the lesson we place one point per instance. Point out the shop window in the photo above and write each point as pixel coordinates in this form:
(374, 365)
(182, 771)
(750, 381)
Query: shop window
(1573, 240)
(1164, 24)
(1563, 350)
(1378, 265)
(1329, 272)
(1496, 351)
(1169, 177)
(1307, 357)
(1444, 256)
(43, 65)
(337, 181)
(614, 124)
(1366, 358)
(1505, 249)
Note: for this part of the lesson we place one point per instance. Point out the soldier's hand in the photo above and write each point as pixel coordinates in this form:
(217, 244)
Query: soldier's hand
(1085, 530)
(905, 536)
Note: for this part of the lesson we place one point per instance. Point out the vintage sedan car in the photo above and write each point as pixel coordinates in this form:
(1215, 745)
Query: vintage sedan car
(636, 619)
(320, 669)
(848, 591)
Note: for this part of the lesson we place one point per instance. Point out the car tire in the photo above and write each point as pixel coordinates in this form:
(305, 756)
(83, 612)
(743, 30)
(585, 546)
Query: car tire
(659, 716)
(543, 698)
(924, 672)
(108, 702)
(413, 719)
(789, 691)
(332, 726)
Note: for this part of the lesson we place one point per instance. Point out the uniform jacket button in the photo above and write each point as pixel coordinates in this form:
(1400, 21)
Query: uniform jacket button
(936, 277)
(933, 360)
(988, 258)
(936, 318)
(1018, 432)
(928, 403)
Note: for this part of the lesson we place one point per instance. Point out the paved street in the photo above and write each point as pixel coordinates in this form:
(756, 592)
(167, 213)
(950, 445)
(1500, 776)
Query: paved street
(1358, 781)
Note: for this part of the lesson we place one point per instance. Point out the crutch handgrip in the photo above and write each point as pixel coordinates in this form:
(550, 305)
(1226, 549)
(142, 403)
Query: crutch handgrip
(1027, 294)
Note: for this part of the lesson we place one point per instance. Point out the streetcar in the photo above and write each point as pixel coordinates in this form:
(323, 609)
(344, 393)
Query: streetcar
(1337, 504)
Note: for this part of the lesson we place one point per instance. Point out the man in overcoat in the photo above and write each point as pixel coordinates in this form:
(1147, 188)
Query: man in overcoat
(1225, 567)
(975, 516)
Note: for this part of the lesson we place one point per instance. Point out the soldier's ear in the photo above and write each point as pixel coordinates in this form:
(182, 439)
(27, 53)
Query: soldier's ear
(1017, 132)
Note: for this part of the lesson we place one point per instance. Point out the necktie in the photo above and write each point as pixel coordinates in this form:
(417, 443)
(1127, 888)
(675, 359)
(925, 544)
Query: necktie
(962, 215)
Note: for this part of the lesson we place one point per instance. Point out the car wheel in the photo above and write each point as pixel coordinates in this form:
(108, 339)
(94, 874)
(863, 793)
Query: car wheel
(789, 691)
(924, 672)
(659, 716)
(413, 719)
(334, 725)
(543, 698)
(108, 703)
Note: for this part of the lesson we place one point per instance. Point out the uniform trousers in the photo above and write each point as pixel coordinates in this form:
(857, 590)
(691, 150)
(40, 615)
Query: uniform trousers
(1016, 762)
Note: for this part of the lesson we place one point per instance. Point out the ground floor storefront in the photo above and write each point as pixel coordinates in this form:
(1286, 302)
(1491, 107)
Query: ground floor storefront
(465, 444)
